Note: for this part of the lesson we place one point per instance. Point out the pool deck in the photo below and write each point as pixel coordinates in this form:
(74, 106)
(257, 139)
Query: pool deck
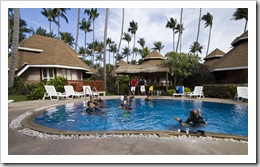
(21, 144)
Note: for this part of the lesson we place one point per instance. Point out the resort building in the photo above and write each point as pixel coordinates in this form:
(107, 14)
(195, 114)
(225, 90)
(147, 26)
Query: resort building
(232, 67)
(43, 58)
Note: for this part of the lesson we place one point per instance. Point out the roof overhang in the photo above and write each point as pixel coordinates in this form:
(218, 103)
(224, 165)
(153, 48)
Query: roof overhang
(52, 66)
(148, 58)
(229, 69)
(215, 56)
(30, 49)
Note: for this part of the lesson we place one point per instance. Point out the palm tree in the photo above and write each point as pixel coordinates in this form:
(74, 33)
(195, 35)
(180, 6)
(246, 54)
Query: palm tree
(60, 12)
(113, 49)
(180, 30)
(93, 14)
(82, 52)
(127, 38)
(23, 30)
(132, 29)
(135, 51)
(126, 52)
(208, 18)
(158, 46)
(109, 42)
(49, 14)
(241, 13)
(14, 48)
(67, 38)
(105, 40)
(121, 36)
(40, 31)
(172, 25)
(85, 26)
(196, 47)
(197, 39)
(141, 41)
(77, 31)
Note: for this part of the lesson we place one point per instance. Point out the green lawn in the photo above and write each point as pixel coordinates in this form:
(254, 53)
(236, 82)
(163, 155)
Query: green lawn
(17, 98)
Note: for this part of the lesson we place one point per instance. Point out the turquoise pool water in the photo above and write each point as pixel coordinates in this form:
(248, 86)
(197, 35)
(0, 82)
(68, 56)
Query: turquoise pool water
(156, 115)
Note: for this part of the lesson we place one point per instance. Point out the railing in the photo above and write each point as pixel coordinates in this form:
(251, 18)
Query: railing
(97, 85)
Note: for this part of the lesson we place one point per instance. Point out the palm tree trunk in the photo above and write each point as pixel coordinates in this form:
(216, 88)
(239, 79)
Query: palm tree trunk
(180, 30)
(85, 44)
(15, 48)
(122, 29)
(93, 47)
(105, 44)
(173, 40)
(77, 31)
(208, 41)
(59, 26)
(50, 29)
(197, 39)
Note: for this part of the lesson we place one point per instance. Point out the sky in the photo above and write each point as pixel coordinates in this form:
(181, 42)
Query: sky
(151, 26)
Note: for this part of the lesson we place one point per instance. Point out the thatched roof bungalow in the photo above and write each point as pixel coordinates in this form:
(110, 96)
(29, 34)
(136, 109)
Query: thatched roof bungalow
(43, 58)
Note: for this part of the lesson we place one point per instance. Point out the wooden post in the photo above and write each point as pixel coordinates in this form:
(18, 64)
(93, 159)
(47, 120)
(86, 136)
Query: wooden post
(167, 81)
(117, 84)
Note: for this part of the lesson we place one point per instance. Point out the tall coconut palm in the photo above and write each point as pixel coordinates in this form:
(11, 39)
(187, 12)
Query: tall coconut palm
(196, 47)
(126, 52)
(172, 25)
(109, 42)
(121, 36)
(180, 30)
(15, 42)
(60, 12)
(93, 14)
(40, 31)
(50, 15)
(127, 38)
(67, 38)
(105, 40)
(77, 30)
(85, 26)
(198, 33)
(241, 13)
(208, 18)
(132, 29)
(158, 46)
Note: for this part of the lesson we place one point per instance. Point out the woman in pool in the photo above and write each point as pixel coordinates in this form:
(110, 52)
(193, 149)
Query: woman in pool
(195, 118)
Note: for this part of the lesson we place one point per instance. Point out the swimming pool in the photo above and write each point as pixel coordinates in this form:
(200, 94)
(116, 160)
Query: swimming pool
(156, 115)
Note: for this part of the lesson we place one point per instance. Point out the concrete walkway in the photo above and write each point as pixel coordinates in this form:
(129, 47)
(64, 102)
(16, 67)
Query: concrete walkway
(21, 144)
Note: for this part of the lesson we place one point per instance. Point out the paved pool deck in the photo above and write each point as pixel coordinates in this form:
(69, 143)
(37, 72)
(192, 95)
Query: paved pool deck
(22, 144)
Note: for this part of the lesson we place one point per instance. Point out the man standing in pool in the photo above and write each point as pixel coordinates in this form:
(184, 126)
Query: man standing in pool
(92, 109)
(195, 118)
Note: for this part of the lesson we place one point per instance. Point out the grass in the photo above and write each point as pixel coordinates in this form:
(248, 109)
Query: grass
(17, 98)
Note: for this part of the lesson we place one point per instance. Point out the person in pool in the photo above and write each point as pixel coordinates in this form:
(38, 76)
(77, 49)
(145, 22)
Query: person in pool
(148, 98)
(126, 103)
(92, 109)
(195, 118)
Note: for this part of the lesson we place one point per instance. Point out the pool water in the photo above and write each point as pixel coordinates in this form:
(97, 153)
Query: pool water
(156, 115)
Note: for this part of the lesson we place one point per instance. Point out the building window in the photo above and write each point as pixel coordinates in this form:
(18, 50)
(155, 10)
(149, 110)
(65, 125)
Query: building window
(66, 73)
(47, 74)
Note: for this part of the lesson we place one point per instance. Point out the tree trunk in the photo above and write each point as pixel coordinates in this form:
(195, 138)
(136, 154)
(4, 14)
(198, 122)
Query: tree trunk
(122, 29)
(105, 44)
(14, 49)
(245, 26)
(179, 30)
(77, 31)
(197, 39)
(209, 40)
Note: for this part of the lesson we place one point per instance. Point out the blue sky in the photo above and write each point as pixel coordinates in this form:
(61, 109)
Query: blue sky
(151, 26)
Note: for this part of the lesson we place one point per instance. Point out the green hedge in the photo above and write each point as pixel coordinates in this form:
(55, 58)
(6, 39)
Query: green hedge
(222, 91)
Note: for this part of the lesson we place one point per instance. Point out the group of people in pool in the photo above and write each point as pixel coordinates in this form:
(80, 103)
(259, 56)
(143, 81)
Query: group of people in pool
(195, 117)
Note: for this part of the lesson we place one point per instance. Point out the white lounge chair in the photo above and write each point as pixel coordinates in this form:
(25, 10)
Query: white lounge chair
(51, 92)
(179, 91)
(70, 91)
(198, 92)
(242, 93)
(87, 91)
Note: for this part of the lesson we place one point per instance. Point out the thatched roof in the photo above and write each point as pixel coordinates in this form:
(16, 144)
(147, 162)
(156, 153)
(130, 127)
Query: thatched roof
(217, 53)
(235, 59)
(40, 51)
(152, 64)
